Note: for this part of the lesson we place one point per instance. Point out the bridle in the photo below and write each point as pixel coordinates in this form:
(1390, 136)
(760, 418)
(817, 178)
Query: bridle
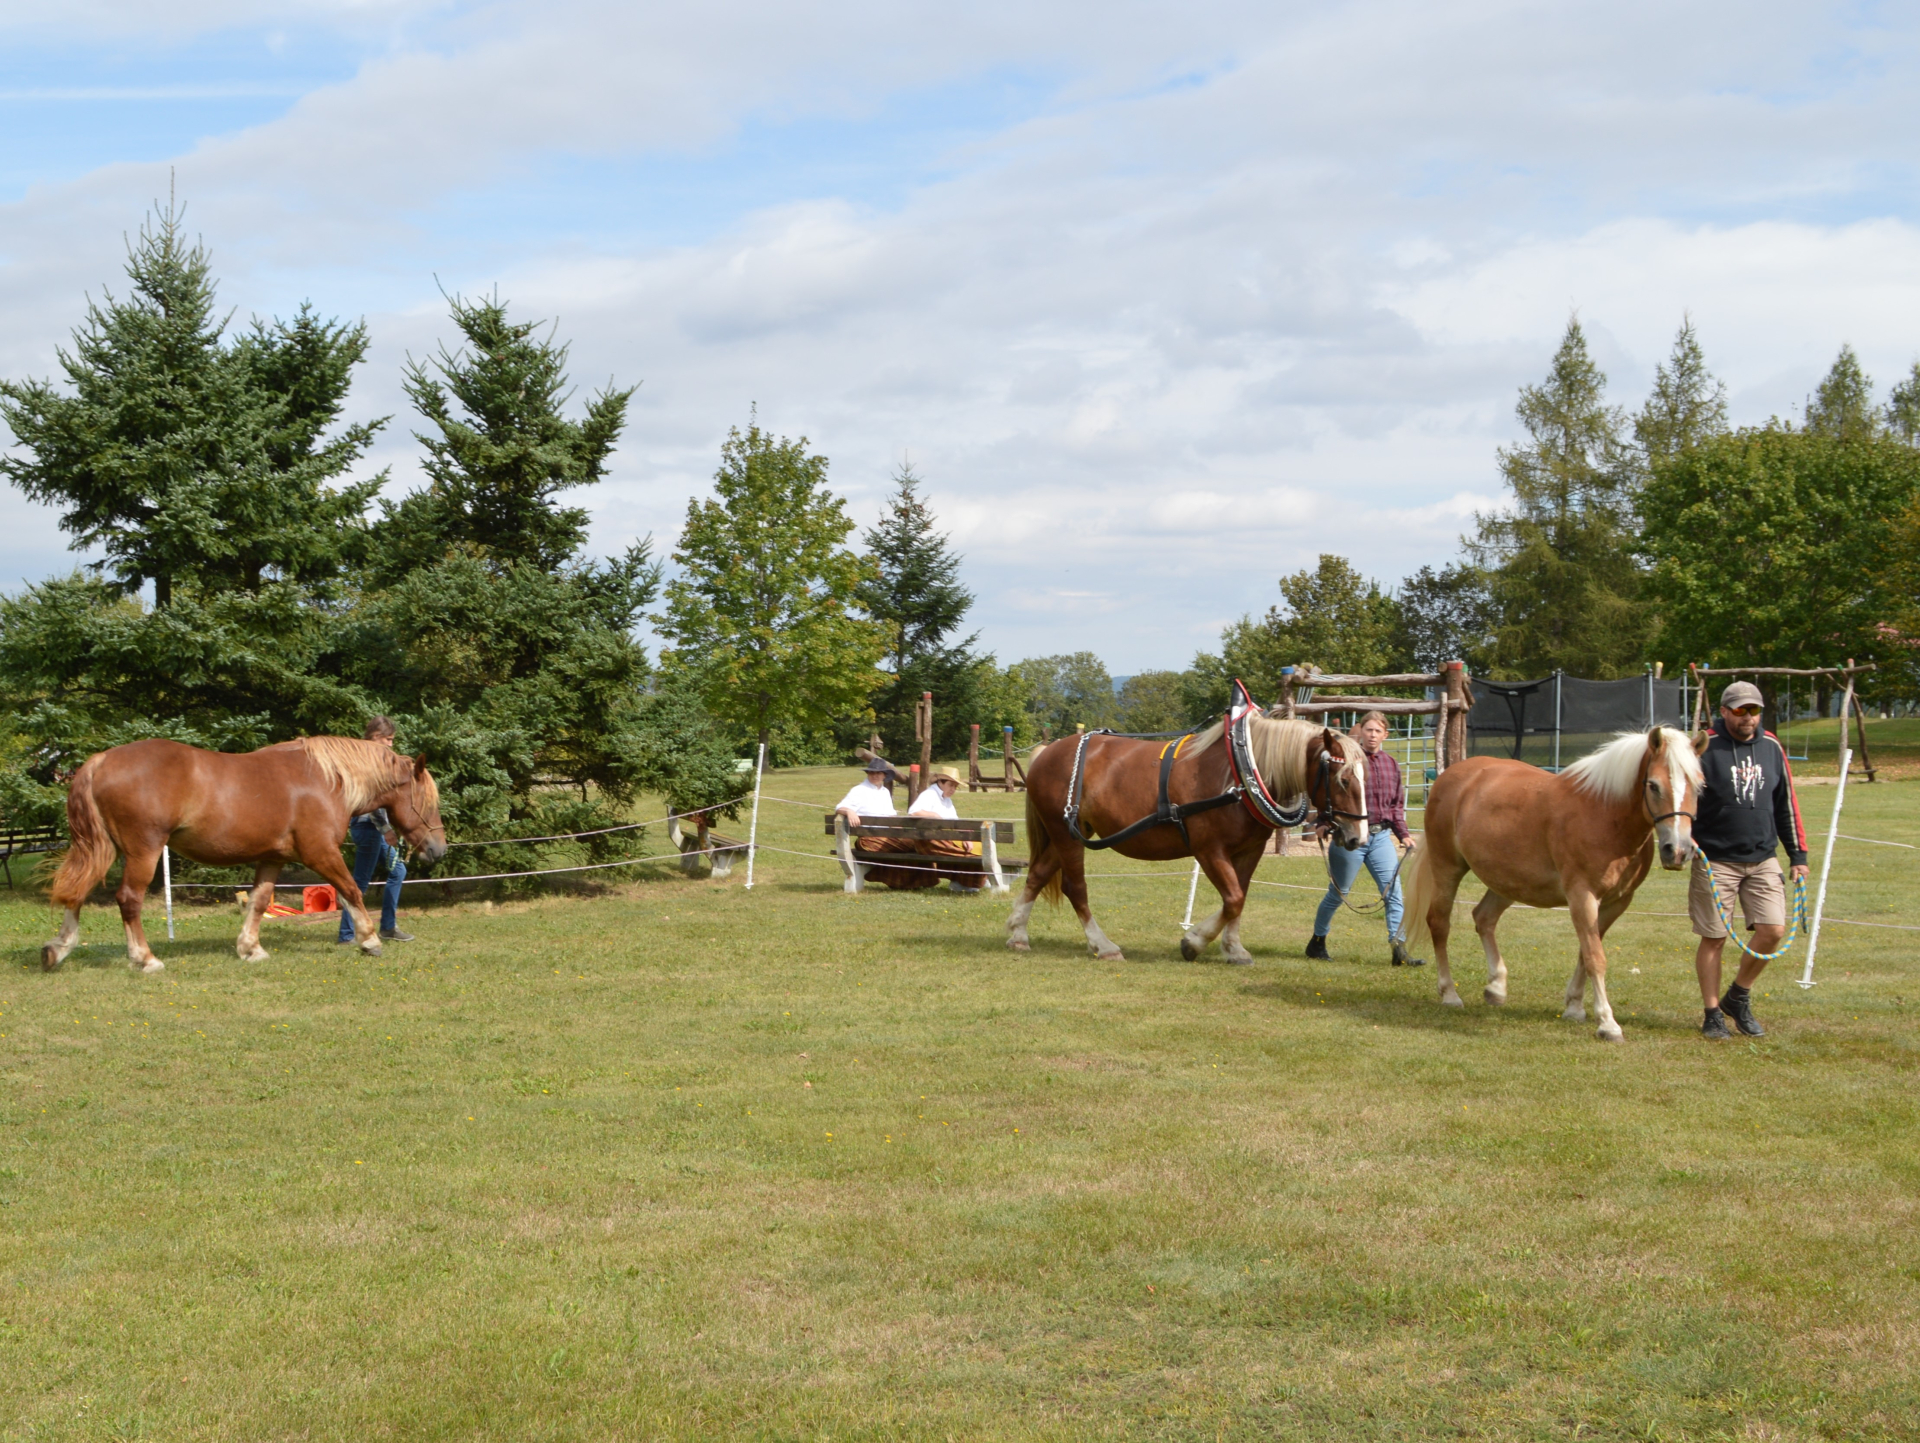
(1647, 807)
(1323, 783)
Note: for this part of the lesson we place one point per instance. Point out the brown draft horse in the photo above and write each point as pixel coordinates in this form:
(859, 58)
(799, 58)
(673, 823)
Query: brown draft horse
(285, 802)
(1583, 840)
(1121, 785)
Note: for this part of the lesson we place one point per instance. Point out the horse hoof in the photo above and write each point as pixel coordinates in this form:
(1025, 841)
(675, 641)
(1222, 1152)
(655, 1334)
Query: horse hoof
(1451, 999)
(258, 954)
(1019, 944)
(1613, 1034)
(1246, 961)
(373, 951)
(50, 958)
(1188, 950)
(1494, 999)
(1575, 1013)
(150, 966)
(1114, 956)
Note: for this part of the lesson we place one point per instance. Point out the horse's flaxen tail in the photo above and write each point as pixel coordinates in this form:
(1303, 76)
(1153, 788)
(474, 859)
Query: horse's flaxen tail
(1419, 896)
(1039, 843)
(92, 851)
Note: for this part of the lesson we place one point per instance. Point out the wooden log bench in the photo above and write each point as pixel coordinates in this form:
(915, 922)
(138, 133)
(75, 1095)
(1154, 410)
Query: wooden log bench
(27, 842)
(720, 852)
(987, 834)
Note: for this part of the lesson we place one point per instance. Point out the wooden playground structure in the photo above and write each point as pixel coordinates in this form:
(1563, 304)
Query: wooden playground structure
(1849, 700)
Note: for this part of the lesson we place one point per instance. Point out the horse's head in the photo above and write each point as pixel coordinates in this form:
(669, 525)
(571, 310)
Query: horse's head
(414, 805)
(1670, 791)
(1339, 775)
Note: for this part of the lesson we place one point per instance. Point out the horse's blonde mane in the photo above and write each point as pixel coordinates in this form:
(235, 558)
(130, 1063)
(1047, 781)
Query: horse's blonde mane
(359, 770)
(1611, 772)
(1280, 750)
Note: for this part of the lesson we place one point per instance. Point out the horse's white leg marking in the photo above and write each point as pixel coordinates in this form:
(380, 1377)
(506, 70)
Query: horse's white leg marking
(1443, 968)
(1486, 917)
(1017, 924)
(1103, 947)
(1609, 1030)
(1584, 908)
(1230, 944)
(68, 937)
(1576, 988)
(248, 947)
(1195, 939)
(365, 932)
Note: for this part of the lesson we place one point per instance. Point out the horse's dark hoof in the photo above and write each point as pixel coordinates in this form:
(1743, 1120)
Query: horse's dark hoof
(1239, 961)
(49, 959)
(1189, 951)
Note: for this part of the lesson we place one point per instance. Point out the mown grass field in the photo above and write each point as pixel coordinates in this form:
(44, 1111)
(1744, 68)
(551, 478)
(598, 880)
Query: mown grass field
(676, 1160)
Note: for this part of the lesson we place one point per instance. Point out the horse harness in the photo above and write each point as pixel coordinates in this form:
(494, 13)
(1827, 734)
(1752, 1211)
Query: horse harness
(1247, 788)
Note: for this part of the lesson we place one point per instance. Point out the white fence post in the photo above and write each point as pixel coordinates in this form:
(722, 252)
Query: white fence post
(166, 886)
(1826, 869)
(753, 827)
(1193, 889)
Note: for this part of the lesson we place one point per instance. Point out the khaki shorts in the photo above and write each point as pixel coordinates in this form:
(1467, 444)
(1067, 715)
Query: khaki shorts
(1760, 886)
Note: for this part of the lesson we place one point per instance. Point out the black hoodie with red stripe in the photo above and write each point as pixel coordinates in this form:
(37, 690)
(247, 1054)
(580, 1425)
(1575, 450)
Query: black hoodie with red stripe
(1748, 807)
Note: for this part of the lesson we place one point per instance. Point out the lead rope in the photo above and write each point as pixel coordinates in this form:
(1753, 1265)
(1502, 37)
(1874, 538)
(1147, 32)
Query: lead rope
(1725, 914)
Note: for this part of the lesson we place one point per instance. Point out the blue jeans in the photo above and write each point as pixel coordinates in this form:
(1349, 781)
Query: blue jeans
(368, 848)
(1382, 857)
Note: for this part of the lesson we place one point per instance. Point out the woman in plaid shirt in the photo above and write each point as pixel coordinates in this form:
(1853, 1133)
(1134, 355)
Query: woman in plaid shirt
(1386, 835)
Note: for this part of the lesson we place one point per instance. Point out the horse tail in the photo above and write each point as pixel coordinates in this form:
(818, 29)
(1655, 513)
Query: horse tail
(1414, 932)
(92, 850)
(1039, 843)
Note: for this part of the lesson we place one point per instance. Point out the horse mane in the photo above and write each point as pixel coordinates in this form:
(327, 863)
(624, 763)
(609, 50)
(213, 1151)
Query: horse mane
(359, 770)
(1279, 747)
(1610, 773)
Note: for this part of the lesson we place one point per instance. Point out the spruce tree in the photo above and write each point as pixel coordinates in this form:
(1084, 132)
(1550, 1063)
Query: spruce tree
(1561, 569)
(1903, 408)
(915, 593)
(499, 451)
(187, 459)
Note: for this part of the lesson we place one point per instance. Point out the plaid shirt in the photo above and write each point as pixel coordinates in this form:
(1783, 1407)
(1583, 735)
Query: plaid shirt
(1386, 797)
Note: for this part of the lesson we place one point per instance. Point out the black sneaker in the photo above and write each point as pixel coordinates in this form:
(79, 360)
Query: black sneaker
(1400, 957)
(1737, 1003)
(1714, 1029)
(394, 934)
(1317, 949)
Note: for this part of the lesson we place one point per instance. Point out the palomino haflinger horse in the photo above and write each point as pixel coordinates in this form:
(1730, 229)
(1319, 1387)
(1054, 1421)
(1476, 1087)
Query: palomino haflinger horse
(1583, 839)
(290, 801)
(1215, 794)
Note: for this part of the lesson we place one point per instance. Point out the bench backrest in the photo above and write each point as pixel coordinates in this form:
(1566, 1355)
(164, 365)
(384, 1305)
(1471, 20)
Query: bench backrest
(931, 829)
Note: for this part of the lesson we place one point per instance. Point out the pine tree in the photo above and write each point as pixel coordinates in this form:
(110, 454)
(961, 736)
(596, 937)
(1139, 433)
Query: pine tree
(499, 452)
(1561, 570)
(185, 459)
(1687, 405)
(1843, 405)
(916, 594)
(763, 616)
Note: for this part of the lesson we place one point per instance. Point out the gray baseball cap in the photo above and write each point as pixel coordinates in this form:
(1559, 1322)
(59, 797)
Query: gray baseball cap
(1742, 693)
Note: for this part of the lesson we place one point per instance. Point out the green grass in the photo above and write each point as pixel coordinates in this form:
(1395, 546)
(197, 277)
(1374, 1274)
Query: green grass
(556, 1171)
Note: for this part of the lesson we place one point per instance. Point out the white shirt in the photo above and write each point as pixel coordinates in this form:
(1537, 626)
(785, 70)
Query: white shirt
(867, 800)
(934, 803)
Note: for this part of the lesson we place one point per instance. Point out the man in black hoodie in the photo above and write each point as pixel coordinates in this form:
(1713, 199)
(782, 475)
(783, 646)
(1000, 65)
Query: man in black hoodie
(1747, 809)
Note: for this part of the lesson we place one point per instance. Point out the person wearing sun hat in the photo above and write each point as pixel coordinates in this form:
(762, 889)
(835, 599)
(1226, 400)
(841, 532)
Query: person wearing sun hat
(1747, 810)
(937, 802)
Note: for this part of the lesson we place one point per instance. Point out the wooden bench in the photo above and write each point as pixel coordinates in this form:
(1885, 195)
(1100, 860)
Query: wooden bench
(719, 851)
(27, 842)
(855, 863)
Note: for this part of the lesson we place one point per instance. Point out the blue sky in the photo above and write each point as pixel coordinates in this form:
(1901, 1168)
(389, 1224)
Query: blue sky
(1163, 301)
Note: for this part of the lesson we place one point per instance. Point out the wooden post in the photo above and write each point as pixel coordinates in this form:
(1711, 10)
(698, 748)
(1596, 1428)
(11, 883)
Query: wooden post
(1006, 756)
(1860, 718)
(914, 774)
(974, 784)
(923, 733)
(1287, 698)
(1459, 702)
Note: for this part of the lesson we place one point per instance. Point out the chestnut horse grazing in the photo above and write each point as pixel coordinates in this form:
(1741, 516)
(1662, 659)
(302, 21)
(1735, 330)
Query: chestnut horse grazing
(285, 802)
(1583, 840)
(1122, 786)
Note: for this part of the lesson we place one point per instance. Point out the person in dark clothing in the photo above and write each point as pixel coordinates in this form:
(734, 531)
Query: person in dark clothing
(1747, 810)
(374, 842)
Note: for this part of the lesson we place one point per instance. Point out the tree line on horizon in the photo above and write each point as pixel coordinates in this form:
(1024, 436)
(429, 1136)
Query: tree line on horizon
(211, 470)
